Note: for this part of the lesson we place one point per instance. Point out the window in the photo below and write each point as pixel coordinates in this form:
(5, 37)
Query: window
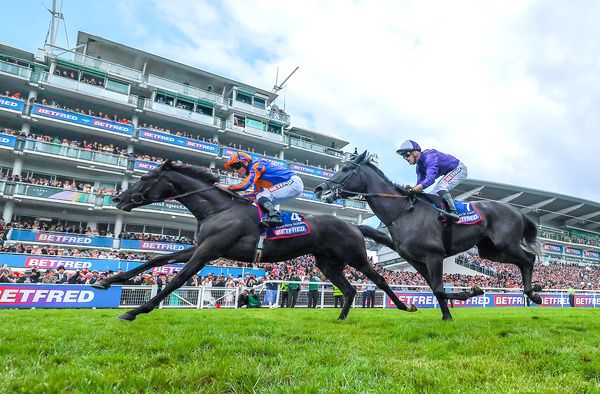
(204, 110)
(153, 230)
(255, 124)
(134, 228)
(259, 103)
(183, 104)
(171, 231)
(239, 121)
(187, 234)
(271, 128)
(244, 98)
(117, 86)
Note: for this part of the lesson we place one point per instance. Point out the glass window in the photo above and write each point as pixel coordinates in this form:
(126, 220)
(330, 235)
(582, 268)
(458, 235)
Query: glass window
(187, 233)
(259, 103)
(204, 110)
(239, 121)
(134, 228)
(171, 231)
(244, 98)
(186, 105)
(153, 230)
(255, 124)
(117, 86)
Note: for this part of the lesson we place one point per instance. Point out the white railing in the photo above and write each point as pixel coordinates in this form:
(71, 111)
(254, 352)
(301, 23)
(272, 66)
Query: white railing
(15, 69)
(182, 113)
(226, 297)
(91, 62)
(93, 90)
(180, 88)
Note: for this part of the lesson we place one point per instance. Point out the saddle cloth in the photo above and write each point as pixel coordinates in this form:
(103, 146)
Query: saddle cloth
(467, 212)
(294, 225)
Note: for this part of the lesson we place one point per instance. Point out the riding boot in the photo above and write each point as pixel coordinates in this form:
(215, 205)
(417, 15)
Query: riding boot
(451, 213)
(273, 217)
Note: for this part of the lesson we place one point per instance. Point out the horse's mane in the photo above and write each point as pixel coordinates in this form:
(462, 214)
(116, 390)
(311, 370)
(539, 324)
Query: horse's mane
(206, 175)
(399, 188)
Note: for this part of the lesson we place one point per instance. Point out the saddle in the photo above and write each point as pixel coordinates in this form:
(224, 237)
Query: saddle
(294, 225)
(466, 210)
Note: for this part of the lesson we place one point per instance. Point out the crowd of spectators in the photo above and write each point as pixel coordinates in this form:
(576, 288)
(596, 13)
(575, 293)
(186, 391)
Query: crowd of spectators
(88, 112)
(73, 74)
(570, 238)
(65, 184)
(156, 237)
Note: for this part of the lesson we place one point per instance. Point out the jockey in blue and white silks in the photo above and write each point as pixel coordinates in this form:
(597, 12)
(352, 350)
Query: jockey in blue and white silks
(432, 164)
(273, 184)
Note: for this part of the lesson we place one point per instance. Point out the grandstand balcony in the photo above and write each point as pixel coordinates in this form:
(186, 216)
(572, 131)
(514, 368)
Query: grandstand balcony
(53, 150)
(176, 144)
(250, 133)
(102, 92)
(100, 65)
(182, 114)
(15, 70)
(74, 121)
(28, 191)
(297, 143)
(183, 89)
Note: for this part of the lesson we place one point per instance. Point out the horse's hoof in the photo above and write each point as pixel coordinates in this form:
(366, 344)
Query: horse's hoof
(476, 291)
(446, 318)
(537, 288)
(101, 285)
(535, 297)
(126, 317)
(411, 308)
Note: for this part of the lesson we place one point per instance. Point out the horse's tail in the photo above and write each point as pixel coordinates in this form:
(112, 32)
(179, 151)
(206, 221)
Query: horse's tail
(529, 238)
(376, 235)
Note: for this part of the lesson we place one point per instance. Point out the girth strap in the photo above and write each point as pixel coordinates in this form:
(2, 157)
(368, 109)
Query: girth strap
(259, 248)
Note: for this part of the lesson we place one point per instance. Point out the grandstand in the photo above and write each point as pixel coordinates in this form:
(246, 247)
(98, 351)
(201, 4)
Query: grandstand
(78, 125)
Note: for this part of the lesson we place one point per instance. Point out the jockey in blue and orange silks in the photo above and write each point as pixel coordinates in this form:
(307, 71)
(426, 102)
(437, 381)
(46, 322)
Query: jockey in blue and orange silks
(273, 184)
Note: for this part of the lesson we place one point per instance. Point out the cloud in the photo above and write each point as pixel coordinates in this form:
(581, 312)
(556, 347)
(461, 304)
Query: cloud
(510, 88)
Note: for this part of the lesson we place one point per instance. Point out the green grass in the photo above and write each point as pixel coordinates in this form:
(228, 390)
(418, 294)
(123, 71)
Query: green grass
(533, 350)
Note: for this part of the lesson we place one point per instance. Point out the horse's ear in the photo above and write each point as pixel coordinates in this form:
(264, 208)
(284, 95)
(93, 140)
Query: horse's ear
(360, 158)
(166, 164)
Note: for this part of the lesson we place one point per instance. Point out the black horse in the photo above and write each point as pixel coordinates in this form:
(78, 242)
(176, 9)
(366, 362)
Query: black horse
(228, 227)
(505, 234)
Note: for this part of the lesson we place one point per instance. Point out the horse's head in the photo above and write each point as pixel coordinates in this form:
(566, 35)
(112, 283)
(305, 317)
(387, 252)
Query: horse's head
(152, 187)
(349, 178)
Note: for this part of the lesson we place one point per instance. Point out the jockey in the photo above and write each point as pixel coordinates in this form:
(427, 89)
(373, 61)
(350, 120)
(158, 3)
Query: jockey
(273, 184)
(430, 165)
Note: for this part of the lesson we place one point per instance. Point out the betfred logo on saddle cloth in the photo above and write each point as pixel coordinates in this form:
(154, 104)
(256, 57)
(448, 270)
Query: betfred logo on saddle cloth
(294, 225)
(467, 212)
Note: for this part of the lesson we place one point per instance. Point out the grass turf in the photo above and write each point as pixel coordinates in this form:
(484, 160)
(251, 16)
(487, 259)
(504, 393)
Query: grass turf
(279, 351)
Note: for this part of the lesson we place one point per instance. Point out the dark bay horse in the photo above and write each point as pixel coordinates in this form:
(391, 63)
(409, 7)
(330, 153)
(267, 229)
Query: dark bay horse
(228, 227)
(505, 235)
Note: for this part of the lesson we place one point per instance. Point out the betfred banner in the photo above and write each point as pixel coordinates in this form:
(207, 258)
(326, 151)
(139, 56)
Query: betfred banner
(70, 263)
(310, 170)
(58, 296)
(155, 246)
(46, 237)
(507, 299)
(586, 301)
(228, 152)
(11, 104)
(8, 140)
(308, 195)
(573, 251)
(591, 254)
(553, 300)
(144, 166)
(552, 248)
(185, 143)
(40, 111)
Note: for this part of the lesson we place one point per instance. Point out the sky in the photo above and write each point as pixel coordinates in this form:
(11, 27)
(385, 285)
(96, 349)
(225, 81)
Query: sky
(511, 88)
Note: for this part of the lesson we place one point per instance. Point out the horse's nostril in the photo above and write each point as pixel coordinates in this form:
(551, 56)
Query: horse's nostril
(116, 200)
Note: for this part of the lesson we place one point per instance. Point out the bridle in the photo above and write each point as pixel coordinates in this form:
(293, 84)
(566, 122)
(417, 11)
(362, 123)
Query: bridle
(341, 186)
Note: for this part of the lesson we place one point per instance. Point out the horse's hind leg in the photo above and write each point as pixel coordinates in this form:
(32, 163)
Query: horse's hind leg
(334, 271)
(364, 267)
(527, 259)
(201, 255)
(171, 258)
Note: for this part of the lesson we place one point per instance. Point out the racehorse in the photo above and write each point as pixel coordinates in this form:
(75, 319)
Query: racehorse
(228, 227)
(505, 234)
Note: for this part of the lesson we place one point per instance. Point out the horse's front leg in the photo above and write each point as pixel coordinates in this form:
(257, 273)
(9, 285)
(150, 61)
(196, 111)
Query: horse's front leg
(203, 253)
(171, 258)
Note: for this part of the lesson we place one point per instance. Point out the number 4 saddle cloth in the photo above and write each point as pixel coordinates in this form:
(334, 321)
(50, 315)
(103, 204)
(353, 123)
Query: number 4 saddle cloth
(294, 225)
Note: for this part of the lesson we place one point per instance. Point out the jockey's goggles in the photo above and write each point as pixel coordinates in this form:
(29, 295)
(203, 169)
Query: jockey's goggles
(405, 154)
(237, 166)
